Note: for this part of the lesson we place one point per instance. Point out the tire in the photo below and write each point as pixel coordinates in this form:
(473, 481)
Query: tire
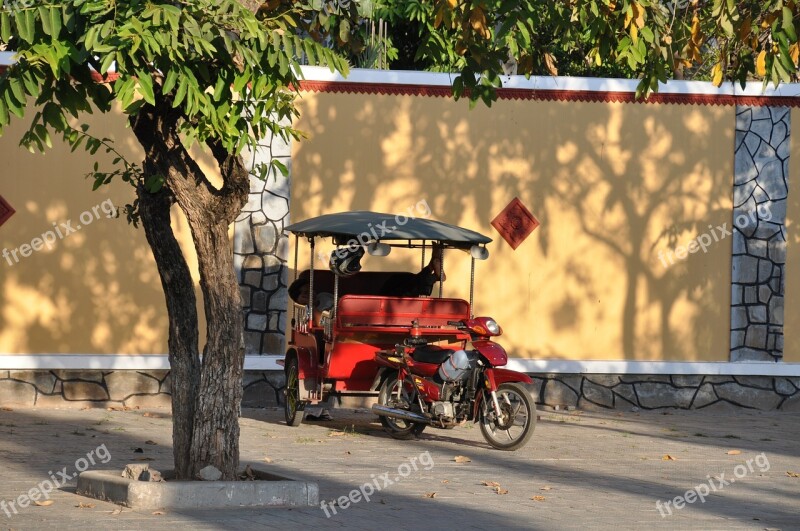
(398, 428)
(293, 407)
(515, 428)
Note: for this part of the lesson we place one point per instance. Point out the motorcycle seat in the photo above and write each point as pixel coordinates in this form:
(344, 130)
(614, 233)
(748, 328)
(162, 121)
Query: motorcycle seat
(431, 354)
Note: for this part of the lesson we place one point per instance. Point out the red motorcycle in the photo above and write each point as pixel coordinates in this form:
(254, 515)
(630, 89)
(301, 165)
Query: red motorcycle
(427, 385)
(427, 358)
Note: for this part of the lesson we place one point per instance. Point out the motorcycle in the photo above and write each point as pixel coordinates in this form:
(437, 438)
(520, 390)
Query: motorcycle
(428, 385)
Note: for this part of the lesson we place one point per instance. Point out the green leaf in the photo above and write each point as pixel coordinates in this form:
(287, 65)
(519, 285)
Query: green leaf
(106, 64)
(146, 86)
(344, 30)
(44, 15)
(55, 21)
(16, 88)
(169, 81)
(181, 94)
(5, 26)
(3, 113)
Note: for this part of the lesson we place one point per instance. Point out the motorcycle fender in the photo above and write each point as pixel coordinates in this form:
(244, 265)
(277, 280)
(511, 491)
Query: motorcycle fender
(496, 377)
(494, 353)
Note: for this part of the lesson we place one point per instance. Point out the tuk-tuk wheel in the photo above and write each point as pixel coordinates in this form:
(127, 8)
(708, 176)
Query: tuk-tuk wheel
(293, 407)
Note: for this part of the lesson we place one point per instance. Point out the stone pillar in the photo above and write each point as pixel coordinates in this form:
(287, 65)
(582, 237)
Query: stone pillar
(761, 177)
(260, 252)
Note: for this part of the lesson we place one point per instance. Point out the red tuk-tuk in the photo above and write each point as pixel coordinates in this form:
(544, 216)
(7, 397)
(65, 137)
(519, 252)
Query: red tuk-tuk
(429, 361)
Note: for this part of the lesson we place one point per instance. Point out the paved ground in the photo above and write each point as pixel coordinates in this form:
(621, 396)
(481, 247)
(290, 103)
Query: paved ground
(580, 470)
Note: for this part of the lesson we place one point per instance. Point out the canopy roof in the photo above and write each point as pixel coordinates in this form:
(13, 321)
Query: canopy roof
(386, 227)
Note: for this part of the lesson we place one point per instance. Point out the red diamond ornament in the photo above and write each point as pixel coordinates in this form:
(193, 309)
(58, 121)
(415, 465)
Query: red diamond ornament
(6, 211)
(515, 223)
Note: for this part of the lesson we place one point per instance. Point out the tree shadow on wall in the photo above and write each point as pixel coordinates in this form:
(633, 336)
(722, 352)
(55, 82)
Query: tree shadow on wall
(606, 170)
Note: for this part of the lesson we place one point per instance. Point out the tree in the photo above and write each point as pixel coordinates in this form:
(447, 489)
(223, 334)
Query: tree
(214, 72)
(653, 40)
(221, 73)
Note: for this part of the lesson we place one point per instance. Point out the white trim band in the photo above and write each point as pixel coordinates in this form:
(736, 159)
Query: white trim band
(109, 362)
(741, 368)
(589, 84)
(269, 363)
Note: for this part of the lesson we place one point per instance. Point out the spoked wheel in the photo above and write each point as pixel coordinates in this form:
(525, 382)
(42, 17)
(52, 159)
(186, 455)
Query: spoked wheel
(293, 408)
(399, 395)
(515, 426)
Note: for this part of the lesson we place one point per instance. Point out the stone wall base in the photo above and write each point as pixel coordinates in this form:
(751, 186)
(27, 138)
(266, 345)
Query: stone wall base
(128, 388)
(619, 391)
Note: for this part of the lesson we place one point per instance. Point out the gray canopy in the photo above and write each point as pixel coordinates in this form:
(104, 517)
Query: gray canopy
(385, 227)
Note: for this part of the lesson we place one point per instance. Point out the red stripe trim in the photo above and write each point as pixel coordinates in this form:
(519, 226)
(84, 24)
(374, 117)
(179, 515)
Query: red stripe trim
(549, 95)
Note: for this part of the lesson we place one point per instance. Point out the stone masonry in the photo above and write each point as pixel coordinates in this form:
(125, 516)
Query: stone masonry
(620, 391)
(123, 388)
(260, 251)
(761, 182)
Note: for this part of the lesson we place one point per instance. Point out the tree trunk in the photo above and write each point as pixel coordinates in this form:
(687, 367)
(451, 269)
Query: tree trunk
(216, 398)
(216, 428)
(184, 359)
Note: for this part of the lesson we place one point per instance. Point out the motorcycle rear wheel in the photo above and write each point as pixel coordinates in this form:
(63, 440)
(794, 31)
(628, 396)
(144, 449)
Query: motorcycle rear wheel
(515, 427)
(399, 428)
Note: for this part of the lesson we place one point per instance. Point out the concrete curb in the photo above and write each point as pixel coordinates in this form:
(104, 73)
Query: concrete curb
(267, 490)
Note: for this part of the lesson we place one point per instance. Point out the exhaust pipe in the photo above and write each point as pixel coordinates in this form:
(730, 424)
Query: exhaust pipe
(400, 414)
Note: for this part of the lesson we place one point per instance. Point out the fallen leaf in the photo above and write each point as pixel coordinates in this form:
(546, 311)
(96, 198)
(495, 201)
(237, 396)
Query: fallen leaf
(148, 414)
(734, 452)
(348, 452)
(491, 484)
(430, 494)
(668, 457)
(115, 512)
(85, 505)
(7, 409)
(444, 481)
(45, 503)
(151, 442)
(462, 459)
(158, 513)
(267, 460)
(336, 434)
(546, 487)
(498, 490)
(793, 474)
(538, 498)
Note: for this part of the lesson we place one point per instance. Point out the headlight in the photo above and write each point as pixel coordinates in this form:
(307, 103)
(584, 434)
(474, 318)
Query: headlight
(492, 326)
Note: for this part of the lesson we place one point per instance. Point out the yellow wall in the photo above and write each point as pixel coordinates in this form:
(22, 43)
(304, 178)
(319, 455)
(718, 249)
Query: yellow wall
(613, 184)
(95, 291)
(791, 327)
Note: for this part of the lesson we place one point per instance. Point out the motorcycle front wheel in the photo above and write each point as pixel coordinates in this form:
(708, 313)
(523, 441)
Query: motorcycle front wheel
(515, 426)
(399, 395)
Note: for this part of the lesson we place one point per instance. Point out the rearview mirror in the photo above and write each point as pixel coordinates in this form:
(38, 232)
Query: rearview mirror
(378, 249)
(479, 253)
